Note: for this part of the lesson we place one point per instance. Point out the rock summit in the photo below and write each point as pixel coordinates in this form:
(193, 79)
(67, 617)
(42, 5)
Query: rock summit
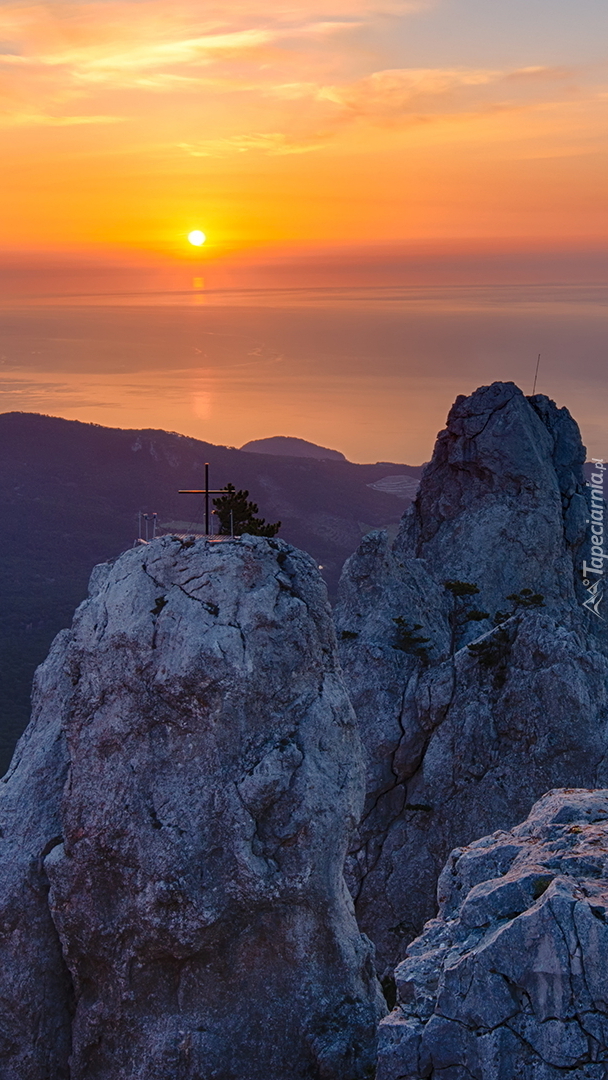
(174, 827)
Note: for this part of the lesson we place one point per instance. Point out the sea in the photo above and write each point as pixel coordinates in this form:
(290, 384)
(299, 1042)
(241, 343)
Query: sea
(368, 371)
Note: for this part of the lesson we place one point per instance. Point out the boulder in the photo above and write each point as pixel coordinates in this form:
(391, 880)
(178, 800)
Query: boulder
(474, 697)
(174, 829)
(509, 981)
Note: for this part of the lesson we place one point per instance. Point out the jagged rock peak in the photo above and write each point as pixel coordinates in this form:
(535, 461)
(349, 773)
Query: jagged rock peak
(174, 828)
(510, 979)
(478, 678)
(501, 502)
(506, 440)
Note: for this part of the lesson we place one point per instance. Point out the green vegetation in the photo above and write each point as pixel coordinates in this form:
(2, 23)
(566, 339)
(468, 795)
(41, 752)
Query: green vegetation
(492, 649)
(71, 493)
(461, 613)
(525, 600)
(491, 652)
(408, 640)
(461, 588)
(237, 515)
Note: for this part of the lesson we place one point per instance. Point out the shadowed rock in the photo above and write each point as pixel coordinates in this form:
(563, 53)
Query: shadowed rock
(174, 831)
(461, 741)
(510, 979)
(36, 996)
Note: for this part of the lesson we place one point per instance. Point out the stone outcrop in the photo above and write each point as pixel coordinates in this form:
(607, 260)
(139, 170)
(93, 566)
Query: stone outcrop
(174, 827)
(509, 982)
(461, 741)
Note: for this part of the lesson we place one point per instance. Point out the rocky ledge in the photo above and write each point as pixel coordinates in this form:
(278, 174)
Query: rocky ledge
(509, 982)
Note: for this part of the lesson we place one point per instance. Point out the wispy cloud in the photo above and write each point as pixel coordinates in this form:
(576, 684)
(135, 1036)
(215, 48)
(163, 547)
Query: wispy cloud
(13, 118)
(99, 64)
(273, 142)
(397, 90)
(91, 41)
(79, 49)
(232, 84)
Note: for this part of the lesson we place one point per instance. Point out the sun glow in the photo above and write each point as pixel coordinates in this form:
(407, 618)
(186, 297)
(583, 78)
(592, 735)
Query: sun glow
(443, 142)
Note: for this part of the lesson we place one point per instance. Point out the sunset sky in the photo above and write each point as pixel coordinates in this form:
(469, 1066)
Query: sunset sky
(131, 123)
(359, 142)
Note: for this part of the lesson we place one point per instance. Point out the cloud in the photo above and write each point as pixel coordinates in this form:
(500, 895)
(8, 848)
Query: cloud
(95, 64)
(284, 11)
(400, 90)
(273, 143)
(106, 41)
(435, 93)
(123, 68)
(15, 118)
(59, 54)
(539, 72)
(404, 95)
(294, 91)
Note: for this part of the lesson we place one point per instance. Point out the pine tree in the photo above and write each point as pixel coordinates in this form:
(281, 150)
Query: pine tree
(408, 640)
(237, 515)
(461, 613)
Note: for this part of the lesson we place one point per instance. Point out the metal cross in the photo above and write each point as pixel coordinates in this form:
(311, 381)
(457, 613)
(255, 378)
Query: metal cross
(206, 491)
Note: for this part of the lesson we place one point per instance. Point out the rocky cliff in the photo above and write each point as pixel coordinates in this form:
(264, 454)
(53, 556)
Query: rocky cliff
(510, 980)
(173, 833)
(70, 494)
(478, 678)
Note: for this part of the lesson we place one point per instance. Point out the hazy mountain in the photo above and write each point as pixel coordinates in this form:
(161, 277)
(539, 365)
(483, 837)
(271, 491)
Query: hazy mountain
(286, 446)
(71, 493)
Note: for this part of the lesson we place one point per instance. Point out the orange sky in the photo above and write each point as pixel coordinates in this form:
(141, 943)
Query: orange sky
(405, 144)
(127, 124)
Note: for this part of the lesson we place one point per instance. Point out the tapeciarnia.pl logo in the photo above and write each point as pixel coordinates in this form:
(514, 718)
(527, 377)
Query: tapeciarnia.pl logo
(596, 521)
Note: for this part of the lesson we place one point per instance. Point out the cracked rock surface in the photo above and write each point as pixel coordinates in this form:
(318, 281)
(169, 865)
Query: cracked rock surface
(460, 742)
(509, 981)
(174, 827)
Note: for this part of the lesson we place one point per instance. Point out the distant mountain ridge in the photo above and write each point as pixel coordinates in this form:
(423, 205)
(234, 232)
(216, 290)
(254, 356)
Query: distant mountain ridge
(288, 446)
(71, 493)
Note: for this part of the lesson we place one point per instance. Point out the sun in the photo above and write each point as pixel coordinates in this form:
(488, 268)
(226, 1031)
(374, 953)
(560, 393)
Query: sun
(197, 238)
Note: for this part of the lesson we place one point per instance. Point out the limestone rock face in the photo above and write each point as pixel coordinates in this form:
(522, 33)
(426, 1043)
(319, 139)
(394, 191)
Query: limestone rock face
(462, 741)
(510, 980)
(36, 995)
(504, 486)
(190, 778)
